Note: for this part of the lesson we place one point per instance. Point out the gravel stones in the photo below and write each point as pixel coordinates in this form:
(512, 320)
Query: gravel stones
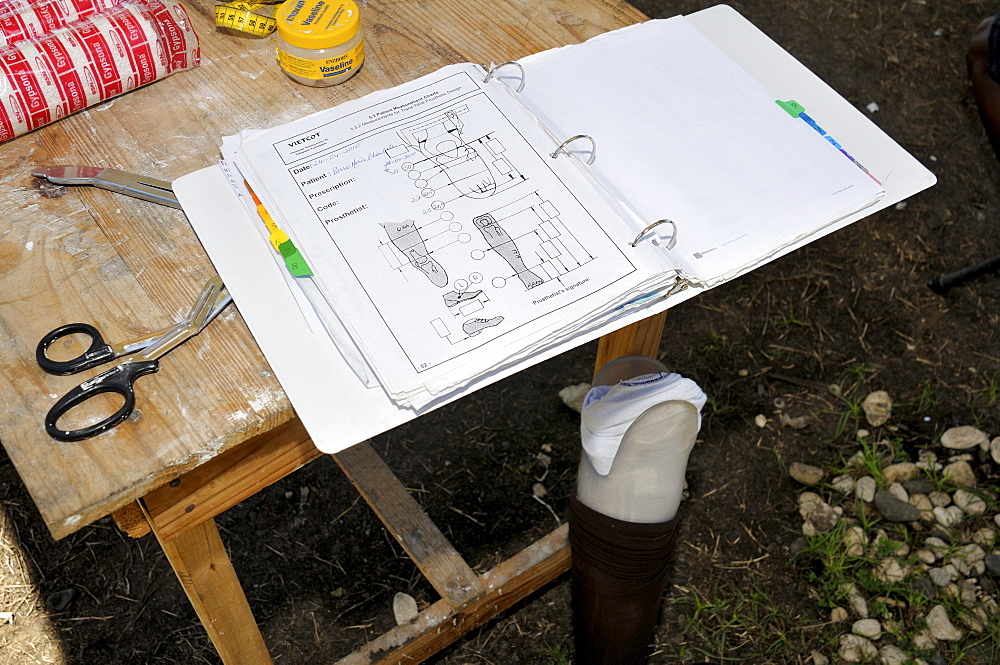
(937, 536)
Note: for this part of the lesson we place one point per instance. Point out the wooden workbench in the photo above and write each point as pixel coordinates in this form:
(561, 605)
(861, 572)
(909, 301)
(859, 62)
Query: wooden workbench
(209, 434)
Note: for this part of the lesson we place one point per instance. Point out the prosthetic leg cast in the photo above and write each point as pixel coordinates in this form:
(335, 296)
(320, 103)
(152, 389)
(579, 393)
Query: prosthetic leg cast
(638, 426)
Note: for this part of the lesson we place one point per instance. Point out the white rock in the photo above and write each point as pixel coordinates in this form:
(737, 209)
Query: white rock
(969, 502)
(971, 623)
(808, 502)
(947, 517)
(889, 570)
(924, 505)
(843, 484)
(855, 649)
(966, 557)
(818, 659)
(940, 626)
(877, 407)
(869, 628)
(872, 107)
(404, 608)
(572, 396)
(838, 614)
(938, 546)
(960, 474)
(760, 420)
(890, 654)
(807, 474)
(858, 603)
(985, 537)
(824, 517)
(855, 541)
(926, 556)
(996, 519)
(924, 640)
(899, 492)
(939, 498)
(901, 472)
(963, 438)
(940, 576)
(928, 461)
(865, 488)
(995, 449)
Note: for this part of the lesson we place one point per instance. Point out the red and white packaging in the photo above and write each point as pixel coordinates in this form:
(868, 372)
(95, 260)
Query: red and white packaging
(61, 56)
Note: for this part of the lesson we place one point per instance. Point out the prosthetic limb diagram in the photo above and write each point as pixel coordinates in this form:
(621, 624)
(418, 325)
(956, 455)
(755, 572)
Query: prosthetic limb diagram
(638, 427)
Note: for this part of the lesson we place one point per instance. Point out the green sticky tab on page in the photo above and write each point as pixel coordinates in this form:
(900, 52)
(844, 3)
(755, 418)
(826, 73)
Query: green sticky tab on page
(792, 107)
(293, 260)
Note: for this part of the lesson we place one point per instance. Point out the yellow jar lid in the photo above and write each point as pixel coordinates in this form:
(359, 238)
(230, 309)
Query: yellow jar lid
(317, 24)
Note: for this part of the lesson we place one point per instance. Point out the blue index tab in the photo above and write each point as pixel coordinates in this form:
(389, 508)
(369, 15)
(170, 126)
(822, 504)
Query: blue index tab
(812, 123)
(293, 260)
(792, 107)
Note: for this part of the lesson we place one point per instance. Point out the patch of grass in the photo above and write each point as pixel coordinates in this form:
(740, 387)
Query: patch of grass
(986, 400)
(926, 399)
(715, 342)
(737, 623)
(790, 319)
(848, 419)
(558, 655)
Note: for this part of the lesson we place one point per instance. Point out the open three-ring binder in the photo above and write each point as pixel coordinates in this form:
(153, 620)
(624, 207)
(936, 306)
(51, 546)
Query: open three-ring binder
(478, 218)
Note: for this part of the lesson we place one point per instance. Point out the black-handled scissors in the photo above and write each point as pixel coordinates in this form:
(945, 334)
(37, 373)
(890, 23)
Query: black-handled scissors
(120, 379)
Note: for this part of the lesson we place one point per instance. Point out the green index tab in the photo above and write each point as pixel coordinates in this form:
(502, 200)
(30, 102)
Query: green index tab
(792, 107)
(293, 260)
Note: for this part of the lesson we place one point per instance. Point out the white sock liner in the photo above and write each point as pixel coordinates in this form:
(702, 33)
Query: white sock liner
(608, 411)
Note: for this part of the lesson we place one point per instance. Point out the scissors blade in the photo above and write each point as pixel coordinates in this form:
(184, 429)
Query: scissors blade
(144, 341)
(211, 301)
(131, 184)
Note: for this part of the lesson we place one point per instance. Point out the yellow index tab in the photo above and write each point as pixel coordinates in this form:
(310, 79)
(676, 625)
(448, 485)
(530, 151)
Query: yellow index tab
(278, 238)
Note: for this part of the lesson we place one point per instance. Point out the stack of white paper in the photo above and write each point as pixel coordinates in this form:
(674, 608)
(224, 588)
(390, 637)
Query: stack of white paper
(446, 242)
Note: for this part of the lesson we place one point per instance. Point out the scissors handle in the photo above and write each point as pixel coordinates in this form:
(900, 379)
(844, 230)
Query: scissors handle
(99, 352)
(118, 379)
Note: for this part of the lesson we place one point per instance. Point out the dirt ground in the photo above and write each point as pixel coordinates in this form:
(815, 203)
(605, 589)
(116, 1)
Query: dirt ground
(852, 309)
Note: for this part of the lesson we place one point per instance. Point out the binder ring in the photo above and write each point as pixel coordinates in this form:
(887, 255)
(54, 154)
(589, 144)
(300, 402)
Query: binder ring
(562, 147)
(494, 68)
(673, 237)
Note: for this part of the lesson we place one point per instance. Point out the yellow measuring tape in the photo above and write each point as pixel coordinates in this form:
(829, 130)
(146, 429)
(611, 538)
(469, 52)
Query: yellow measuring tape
(245, 17)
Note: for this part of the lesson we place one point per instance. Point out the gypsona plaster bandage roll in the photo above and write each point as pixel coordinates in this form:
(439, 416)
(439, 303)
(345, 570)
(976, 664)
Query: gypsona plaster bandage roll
(61, 57)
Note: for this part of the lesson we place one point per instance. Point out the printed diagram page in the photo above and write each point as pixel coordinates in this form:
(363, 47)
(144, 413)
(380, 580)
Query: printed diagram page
(444, 240)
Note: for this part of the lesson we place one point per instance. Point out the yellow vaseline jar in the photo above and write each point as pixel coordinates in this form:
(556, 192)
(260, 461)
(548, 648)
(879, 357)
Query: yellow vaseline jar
(319, 41)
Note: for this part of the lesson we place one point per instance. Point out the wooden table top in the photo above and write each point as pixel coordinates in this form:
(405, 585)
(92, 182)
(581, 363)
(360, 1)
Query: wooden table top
(130, 267)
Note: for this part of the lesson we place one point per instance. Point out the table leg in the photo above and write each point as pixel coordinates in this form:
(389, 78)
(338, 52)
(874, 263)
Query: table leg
(640, 338)
(181, 517)
(202, 565)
